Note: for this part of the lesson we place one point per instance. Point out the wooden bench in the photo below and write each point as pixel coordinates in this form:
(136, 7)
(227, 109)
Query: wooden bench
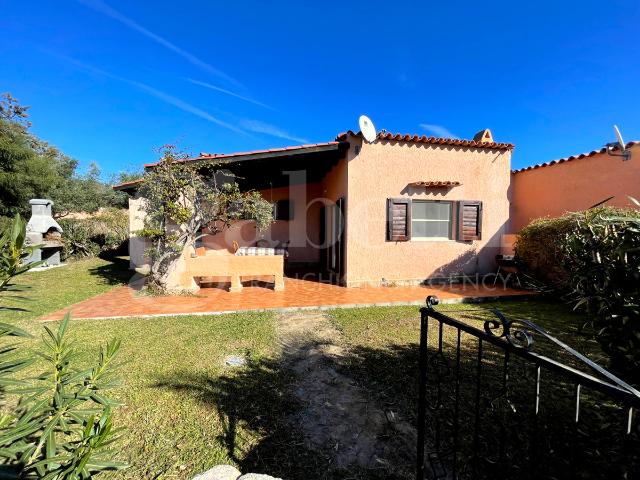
(235, 268)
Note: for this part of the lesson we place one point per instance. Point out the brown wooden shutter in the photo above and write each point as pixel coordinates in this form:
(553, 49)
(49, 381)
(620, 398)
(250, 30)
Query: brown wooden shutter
(469, 220)
(398, 219)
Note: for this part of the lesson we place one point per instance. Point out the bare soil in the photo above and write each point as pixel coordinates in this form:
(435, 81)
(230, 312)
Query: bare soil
(337, 415)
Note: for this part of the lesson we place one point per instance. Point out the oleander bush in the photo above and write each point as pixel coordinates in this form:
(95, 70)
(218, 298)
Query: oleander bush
(61, 426)
(594, 258)
(602, 259)
(103, 232)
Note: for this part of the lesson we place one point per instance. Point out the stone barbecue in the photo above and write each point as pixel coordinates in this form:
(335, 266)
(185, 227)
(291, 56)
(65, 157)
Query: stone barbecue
(43, 230)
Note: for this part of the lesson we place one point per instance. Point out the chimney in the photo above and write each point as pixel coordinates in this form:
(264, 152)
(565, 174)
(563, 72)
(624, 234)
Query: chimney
(483, 136)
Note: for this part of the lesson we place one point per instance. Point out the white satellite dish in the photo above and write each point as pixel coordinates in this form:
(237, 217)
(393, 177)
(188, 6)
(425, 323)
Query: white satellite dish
(619, 137)
(367, 128)
(625, 152)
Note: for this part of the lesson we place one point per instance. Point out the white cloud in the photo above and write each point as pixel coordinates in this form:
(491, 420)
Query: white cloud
(103, 8)
(165, 97)
(438, 130)
(228, 92)
(261, 127)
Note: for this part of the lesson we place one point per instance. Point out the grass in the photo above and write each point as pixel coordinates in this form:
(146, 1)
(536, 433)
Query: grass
(383, 343)
(172, 431)
(185, 411)
(50, 290)
(383, 327)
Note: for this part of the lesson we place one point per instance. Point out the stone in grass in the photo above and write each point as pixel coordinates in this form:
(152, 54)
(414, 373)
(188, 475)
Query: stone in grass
(235, 361)
(219, 472)
(257, 476)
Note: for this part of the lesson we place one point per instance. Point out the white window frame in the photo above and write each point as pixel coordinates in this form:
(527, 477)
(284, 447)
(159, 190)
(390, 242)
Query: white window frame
(432, 239)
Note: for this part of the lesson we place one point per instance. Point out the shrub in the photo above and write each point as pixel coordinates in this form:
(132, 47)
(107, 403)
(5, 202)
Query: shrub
(105, 231)
(602, 258)
(540, 246)
(62, 425)
(594, 256)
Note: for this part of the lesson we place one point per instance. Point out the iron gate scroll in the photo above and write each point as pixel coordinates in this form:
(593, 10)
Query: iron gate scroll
(493, 403)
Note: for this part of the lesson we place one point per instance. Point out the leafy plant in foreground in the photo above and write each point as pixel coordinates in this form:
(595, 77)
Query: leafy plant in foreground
(62, 425)
(13, 252)
(63, 422)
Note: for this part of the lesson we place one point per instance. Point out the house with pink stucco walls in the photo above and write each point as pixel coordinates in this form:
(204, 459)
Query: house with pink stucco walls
(403, 209)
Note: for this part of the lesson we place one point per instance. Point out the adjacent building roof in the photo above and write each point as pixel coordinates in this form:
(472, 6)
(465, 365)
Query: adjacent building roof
(572, 157)
(126, 185)
(399, 137)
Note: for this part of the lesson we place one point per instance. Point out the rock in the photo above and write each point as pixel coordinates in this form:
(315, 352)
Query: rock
(257, 476)
(143, 270)
(220, 472)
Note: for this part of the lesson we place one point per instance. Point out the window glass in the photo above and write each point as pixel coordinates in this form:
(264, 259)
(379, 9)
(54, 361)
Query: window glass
(430, 219)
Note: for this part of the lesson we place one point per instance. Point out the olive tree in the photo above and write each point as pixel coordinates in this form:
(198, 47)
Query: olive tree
(184, 200)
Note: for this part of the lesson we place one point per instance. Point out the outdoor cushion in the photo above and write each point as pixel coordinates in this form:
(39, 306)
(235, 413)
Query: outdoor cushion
(261, 251)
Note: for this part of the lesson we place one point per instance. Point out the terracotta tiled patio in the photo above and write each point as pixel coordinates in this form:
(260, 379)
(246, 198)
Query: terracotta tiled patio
(126, 301)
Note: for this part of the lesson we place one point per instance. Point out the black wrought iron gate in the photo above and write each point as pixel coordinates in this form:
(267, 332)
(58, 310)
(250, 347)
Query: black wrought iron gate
(493, 406)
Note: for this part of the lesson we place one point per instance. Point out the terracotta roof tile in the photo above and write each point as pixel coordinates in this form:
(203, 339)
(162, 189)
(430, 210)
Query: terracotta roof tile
(572, 157)
(124, 185)
(399, 137)
(435, 184)
(340, 138)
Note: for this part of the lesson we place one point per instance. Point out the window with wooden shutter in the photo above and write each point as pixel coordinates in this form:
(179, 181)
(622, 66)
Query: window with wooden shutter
(398, 219)
(469, 220)
(431, 219)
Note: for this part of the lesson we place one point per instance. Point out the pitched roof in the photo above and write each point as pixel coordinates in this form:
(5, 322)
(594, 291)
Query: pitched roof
(339, 141)
(399, 137)
(297, 149)
(125, 185)
(572, 157)
(250, 155)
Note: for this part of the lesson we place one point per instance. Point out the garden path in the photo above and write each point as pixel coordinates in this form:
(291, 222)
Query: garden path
(337, 415)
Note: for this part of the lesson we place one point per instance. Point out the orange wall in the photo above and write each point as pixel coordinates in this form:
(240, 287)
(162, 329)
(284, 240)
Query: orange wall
(383, 170)
(572, 186)
(303, 231)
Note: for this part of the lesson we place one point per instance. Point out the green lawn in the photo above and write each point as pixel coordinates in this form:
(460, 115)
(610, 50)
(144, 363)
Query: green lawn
(173, 368)
(383, 344)
(50, 290)
(172, 428)
(185, 411)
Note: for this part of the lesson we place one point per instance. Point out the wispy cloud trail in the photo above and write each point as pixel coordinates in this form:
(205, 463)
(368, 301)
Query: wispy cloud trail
(228, 92)
(165, 97)
(438, 130)
(103, 8)
(272, 130)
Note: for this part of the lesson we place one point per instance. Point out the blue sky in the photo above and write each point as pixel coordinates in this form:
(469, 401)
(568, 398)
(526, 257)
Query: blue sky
(110, 80)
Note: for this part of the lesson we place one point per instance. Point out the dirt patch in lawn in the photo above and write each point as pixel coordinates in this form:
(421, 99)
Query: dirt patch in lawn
(337, 415)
